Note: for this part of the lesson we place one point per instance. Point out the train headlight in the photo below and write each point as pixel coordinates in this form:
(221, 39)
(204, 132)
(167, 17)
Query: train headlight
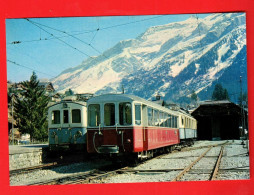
(128, 141)
(79, 134)
(53, 134)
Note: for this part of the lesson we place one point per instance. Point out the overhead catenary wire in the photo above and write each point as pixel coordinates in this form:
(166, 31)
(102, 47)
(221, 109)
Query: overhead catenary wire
(88, 44)
(29, 56)
(17, 64)
(58, 38)
(84, 32)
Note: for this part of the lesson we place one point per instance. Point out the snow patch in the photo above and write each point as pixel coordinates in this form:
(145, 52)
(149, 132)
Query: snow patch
(197, 68)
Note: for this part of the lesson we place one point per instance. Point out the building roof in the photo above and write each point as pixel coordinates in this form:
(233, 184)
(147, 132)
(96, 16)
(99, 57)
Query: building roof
(207, 102)
(217, 108)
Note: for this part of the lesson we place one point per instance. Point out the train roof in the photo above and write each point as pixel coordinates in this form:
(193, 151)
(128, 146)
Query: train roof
(82, 103)
(131, 98)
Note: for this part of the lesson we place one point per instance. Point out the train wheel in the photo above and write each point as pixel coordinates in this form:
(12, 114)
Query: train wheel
(134, 160)
(169, 149)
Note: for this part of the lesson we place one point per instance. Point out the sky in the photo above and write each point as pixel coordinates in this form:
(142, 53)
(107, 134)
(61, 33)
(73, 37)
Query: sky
(48, 46)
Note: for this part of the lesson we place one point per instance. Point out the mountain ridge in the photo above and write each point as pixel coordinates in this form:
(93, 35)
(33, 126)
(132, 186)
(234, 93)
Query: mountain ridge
(165, 59)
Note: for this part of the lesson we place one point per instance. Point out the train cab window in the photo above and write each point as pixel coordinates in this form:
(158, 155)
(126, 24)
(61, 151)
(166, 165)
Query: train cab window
(56, 117)
(173, 122)
(109, 114)
(76, 116)
(150, 116)
(94, 115)
(156, 118)
(169, 121)
(161, 119)
(166, 119)
(138, 114)
(182, 121)
(125, 117)
(66, 116)
(176, 121)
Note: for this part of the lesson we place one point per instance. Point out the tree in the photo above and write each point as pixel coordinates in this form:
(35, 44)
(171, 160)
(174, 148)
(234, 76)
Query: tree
(69, 92)
(194, 96)
(225, 95)
(30, 111)
(220, 93)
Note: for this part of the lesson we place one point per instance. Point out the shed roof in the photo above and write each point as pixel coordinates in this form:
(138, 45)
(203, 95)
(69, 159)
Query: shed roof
(217, 108)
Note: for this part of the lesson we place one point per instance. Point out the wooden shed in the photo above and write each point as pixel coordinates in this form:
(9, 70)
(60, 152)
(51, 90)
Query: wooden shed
(220, 120)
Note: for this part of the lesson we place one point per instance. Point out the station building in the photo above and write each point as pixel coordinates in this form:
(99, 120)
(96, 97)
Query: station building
(220, 120)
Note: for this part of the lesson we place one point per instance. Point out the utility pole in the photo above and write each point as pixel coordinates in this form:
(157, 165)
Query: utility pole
(12, 126)
(241, 105)
(122, 89)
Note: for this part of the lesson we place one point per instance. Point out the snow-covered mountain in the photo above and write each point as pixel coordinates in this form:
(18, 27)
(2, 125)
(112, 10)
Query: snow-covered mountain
(173, 60)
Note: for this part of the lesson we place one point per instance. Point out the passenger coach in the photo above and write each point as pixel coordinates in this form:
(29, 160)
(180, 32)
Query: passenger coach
(124, 124)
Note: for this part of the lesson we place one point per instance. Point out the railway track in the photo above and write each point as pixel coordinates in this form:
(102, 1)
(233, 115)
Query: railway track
(100, 175)
(34, 168)
(60, 160)
(82, 178)
(50, 165)
(213, 171)
(193, 171)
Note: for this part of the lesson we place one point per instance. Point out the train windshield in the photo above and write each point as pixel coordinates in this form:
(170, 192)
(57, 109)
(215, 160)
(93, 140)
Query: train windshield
(109, 114)
(150, 117)
(125, 117)
(76, 116)
(94, 115)
(66, 116)
(56, 117)
(138, 114)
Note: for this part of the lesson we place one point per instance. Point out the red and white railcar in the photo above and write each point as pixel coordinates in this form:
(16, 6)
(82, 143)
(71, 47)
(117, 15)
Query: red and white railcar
(126, 124)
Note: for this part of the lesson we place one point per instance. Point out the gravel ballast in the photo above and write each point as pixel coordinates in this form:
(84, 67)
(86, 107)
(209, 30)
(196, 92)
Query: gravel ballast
(183, 159)
(234, 156)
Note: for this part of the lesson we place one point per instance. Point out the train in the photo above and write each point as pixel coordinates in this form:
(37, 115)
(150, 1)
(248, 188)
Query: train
(123, 124)
(118, 125)
(67, 123)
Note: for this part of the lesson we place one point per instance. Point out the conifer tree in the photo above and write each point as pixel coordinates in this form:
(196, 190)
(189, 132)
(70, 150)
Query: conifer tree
(194, 96)
(30, 111)
(220, 93)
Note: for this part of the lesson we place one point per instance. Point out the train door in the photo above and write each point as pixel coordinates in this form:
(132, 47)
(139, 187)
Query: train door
(144, 127)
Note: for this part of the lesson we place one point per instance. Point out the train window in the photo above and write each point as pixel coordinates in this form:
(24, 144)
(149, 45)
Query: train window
(76, 116)
(156, 118)
(173, 122)
(161, 119)
(150, 117)
(138, 114)
(125, 117)
(66, 116)
(166, 120)
(169, 121)
(94, 115)
(109, 114)
(176, 121)
(182, 121)
(56, 117)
